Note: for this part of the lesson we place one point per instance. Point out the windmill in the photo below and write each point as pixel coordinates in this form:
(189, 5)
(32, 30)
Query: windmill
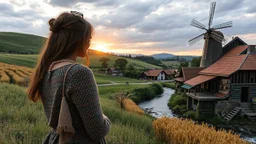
(213, 39)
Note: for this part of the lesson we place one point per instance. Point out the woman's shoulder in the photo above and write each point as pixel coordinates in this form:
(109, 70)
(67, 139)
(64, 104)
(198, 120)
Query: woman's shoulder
(79, 69)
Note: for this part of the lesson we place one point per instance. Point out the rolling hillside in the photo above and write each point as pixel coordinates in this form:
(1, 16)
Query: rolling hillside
(20, 43)
(12, 43)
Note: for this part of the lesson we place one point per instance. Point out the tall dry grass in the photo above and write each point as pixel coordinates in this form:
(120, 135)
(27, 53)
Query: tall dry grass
(177, 131)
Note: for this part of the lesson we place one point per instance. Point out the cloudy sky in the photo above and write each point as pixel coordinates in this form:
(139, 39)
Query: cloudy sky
(135, 26)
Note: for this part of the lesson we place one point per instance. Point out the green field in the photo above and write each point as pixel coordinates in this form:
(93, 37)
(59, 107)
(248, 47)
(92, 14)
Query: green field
(106, 79)
(22, 121)
(174, 64)
(20, 43)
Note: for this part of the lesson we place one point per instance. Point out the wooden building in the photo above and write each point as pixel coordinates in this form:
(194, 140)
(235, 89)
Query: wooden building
(170, 73)
(232, 77)
(153, 75)
(114, 72)
(185, 74)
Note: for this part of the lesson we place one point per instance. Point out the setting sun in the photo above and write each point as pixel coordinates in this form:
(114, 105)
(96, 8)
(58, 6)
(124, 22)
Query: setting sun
(101, 47)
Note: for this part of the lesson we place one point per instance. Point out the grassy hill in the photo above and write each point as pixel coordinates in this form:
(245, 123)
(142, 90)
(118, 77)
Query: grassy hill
(31, 60)
(20, 43)
(12, 45)
(174, 64)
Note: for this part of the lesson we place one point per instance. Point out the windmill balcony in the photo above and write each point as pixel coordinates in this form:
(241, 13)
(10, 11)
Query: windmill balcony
(208, 95)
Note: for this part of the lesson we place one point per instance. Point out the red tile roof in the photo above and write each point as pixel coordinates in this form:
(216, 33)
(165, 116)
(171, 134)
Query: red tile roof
(227, 64)
(190, 72)
(199, 79)
(170, 71)
(153, 72)
(180, 79)
(250, 63)
(236, 51)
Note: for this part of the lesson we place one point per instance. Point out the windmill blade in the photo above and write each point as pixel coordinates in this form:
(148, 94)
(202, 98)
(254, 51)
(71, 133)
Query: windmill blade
(223, 25)
(218, 37)
(211, 13)
(196, 39)
(221, 37)
(198, 24)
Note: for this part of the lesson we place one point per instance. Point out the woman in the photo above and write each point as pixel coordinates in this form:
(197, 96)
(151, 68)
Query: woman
(69, 38)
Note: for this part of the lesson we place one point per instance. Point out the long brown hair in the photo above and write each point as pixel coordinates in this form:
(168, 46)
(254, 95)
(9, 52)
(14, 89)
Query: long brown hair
(68, 32)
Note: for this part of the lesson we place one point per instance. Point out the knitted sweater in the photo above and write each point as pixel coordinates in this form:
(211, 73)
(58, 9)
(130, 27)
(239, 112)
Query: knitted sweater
(82, 96)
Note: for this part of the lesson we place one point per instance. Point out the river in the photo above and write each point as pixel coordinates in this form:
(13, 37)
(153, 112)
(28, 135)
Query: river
(157, 107)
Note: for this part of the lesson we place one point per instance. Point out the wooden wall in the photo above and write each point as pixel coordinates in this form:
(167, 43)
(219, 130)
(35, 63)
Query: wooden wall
(206, 107)
(235, 93)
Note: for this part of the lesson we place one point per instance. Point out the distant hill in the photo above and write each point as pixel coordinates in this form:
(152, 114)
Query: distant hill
(172, 56)
(163, 56)
(11, 42)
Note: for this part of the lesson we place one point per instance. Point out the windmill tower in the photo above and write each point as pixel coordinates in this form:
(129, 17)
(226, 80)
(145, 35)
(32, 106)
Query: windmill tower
(213, 39)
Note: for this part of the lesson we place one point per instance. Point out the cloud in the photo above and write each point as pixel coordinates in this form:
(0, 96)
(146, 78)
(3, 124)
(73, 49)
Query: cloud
(68, 3)
(146, 25)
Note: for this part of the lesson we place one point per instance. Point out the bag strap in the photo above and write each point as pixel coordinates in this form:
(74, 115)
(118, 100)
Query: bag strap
(63, 88)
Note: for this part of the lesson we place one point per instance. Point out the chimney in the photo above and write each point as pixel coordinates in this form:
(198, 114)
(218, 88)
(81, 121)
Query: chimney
(251, 49)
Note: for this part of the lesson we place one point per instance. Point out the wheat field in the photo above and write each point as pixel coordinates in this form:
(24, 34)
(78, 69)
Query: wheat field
(14, 74)
(177, 131)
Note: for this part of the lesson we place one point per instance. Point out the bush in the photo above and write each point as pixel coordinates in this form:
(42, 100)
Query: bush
(177, 99)
(190, 114)
(179, 108)
(146, 93)
(158, 88)
(169, 85)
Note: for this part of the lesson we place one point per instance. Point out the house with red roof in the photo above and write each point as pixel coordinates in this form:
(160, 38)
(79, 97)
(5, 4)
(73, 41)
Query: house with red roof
(153, 75)
(185, 74)
(114, 72)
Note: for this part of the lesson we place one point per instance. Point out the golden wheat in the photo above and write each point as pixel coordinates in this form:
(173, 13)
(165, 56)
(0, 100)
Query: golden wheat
(14, 74)
(177, 131)
(21, 74)
(131, 106)
(4, 77)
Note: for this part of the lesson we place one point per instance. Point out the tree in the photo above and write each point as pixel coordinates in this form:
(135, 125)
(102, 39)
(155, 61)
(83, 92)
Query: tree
(104, 62)
(195, 62)
(131, 67)
(120, 63)
(183, 64)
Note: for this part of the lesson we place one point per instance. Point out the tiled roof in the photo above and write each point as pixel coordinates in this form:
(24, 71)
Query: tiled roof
(227, 64)
(250, 63)
(170, 71)
(199, 79)
(153, 72)
(190, 72)
(236, 51)
(180, 79)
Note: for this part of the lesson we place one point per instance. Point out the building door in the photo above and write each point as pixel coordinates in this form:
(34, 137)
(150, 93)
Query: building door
(244, 94)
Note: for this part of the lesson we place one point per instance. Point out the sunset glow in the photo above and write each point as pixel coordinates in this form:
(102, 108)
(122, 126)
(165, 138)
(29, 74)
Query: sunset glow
(101, 47)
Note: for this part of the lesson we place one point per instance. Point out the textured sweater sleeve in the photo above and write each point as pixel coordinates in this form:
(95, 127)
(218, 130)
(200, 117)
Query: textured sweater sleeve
(84, 94)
